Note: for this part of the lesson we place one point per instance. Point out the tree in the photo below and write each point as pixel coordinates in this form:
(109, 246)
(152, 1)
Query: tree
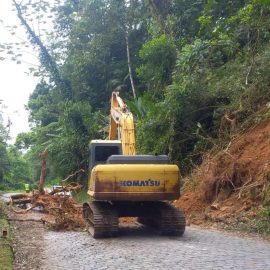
(3, 147)
(18, 170)
(184, 65)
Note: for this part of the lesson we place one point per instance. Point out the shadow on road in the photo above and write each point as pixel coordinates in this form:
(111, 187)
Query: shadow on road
(138, 230)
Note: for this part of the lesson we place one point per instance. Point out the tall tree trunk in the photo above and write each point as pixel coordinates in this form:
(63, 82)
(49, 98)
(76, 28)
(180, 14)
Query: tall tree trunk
(129, 66)
(45, 58)
(43, 156)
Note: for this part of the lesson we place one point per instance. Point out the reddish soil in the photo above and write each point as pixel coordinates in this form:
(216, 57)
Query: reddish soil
(231, 185)
(63, 212)
(60, 212)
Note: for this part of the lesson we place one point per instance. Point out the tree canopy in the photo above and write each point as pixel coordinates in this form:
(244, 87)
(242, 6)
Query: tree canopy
(189, 69)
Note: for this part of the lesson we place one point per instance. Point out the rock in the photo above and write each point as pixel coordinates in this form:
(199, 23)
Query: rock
(215, 206)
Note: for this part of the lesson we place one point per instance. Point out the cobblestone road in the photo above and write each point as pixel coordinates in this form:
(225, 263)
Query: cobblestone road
(135, 248)
(139, 249)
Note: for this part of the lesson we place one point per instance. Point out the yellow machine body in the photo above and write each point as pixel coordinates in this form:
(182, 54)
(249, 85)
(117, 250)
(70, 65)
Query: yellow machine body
(134, 182)
(124, 184)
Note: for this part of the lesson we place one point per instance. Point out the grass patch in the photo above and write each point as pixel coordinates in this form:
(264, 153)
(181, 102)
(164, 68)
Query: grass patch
(6, 254)
(262, 223)
(259, 224)
(12, 191)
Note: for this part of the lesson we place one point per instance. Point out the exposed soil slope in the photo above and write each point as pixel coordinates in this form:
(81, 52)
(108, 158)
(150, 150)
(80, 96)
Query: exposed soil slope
(231, 186)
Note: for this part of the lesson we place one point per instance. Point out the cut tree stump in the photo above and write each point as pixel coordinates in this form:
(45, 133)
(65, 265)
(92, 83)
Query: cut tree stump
(43, 156)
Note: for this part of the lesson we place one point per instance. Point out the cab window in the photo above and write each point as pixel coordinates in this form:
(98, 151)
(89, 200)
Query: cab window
(103, 152)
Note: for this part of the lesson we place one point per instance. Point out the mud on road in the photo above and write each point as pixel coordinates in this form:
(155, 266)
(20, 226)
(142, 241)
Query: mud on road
(136, 247)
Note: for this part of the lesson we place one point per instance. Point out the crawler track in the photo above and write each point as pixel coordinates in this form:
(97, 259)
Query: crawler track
(172, 220)
(164, 217)
(101, 219)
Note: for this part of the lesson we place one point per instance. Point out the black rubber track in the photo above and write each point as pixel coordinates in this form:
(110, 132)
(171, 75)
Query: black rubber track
(165, 218)
(172, 220)
(101, 219)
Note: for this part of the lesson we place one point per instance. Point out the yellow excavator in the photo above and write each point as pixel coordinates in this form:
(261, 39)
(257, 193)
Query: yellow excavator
(124, 184)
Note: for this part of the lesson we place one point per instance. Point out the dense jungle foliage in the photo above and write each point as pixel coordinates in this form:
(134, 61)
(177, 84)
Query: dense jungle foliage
(15, 170)
(191, 72)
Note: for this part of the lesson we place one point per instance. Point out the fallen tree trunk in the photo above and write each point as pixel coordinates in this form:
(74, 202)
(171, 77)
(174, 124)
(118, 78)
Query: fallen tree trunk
(70, 187)
(26, 220)
(22, 201)
(19, 196)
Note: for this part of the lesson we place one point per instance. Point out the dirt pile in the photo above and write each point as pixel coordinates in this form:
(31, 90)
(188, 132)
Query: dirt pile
(231, 185)
(61, 212)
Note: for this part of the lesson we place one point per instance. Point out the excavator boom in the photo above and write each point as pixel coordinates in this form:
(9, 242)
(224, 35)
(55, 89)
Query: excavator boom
(122, 125)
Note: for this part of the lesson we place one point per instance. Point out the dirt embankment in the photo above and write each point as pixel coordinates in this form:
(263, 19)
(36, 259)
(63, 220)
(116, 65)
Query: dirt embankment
(231, 186)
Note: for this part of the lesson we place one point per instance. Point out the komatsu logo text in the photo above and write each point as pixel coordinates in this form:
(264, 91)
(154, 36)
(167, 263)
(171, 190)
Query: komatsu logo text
(140, 183)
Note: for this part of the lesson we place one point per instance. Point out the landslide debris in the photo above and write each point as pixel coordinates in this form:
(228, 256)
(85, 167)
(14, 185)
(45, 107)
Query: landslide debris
(232, 186)
(61, 212)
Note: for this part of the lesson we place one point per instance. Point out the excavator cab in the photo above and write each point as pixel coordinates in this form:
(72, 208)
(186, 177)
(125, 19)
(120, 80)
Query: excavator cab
(101, 150)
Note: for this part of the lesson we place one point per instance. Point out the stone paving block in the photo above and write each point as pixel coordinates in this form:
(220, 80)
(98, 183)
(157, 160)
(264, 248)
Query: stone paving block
(197, 249)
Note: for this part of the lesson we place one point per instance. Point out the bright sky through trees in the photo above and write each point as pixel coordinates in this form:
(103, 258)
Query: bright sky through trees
(15, 84)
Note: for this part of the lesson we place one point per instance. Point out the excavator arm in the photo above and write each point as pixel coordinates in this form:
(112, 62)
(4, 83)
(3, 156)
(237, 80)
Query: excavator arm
(122, 125)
